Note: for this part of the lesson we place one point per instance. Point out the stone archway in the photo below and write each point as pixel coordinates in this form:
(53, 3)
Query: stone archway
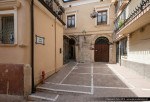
(101, 52)
(111, 47)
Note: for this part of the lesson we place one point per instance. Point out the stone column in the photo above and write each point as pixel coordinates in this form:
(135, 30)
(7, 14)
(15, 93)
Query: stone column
(111, 53)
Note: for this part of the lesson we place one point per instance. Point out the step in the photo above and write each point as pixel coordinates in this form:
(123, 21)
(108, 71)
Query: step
(64, 88)
(43, 96)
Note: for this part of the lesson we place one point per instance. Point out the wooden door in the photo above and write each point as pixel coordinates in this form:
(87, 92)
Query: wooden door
(101, 53)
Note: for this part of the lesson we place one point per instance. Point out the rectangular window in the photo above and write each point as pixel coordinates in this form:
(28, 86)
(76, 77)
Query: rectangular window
(124, 47)
(71, 21)
(102, 17)
(6, 29)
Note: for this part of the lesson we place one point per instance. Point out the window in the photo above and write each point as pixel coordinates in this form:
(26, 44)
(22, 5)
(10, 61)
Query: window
(102, 17)
(7, 29)
(123, 47)
(71, 21)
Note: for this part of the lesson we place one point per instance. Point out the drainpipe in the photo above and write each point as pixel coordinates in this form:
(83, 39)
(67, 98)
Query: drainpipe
(55, 46)
(32, 44)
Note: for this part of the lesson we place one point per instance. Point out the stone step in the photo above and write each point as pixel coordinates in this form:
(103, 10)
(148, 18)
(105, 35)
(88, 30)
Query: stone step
(64, 88)
(43, 96)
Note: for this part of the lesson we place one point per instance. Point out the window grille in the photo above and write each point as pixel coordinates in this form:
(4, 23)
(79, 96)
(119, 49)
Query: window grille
(7, 30)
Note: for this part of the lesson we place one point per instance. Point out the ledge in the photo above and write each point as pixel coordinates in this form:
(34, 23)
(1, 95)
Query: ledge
(9, 4)
(8, 45)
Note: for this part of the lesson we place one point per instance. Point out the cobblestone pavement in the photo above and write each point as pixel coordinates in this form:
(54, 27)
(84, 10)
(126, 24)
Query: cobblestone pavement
(83, 82)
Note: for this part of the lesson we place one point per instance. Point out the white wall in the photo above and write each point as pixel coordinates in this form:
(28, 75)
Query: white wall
(139, 46)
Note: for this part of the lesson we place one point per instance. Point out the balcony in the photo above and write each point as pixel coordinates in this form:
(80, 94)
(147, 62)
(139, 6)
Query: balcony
(9, 4)
(123, 3)
(132, 18)
(55, 8)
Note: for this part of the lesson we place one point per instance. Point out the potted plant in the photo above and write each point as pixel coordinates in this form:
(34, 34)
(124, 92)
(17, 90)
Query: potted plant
(120, 23)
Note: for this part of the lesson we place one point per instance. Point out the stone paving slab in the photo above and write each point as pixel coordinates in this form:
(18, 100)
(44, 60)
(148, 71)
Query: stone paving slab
(108, 81)
(82, 70)
(43, 96)
(65, 88)
(100, 65)
(78, 79)
(102, 71)
(84, 65)
(99, 93)
(58, 77)
(11, 98)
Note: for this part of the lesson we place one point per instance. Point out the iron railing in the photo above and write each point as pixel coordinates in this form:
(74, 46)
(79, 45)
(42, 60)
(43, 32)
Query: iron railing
(127, 15)
(7, 30)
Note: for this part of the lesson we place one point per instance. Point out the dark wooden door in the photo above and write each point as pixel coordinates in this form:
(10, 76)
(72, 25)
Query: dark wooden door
(101, 53)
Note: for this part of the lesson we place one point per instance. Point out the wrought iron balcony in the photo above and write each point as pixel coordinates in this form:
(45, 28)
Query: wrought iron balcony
(55, 8)
(129, 13)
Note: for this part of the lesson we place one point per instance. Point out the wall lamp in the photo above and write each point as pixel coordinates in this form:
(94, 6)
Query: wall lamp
(94, 14)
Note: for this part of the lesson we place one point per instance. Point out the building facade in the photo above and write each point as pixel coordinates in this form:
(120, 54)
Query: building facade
(89, 38)
(38, 36)
(31, 43)
(132, 35)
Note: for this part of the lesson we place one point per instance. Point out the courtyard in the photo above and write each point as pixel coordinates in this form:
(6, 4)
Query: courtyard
(90, 82)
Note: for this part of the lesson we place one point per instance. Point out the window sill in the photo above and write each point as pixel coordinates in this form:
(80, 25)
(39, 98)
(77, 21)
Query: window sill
(102, 25)
(71, 28)
(8, 45)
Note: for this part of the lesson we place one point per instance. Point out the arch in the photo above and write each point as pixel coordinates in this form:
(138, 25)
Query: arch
(102, 35)
(101, 52)
(102, 40)
(74, 38)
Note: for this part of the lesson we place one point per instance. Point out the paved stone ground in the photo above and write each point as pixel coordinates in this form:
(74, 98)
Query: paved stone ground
(10, 98)
(88, 82)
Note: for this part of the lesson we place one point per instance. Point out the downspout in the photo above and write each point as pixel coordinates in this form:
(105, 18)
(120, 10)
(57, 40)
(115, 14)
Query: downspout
(55, 47)
(32, 44)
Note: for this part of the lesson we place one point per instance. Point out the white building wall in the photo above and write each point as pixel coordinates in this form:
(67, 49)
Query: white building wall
(139, 46)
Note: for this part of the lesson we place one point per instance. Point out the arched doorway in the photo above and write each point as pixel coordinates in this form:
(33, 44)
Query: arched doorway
(72, 49)
(101, 53)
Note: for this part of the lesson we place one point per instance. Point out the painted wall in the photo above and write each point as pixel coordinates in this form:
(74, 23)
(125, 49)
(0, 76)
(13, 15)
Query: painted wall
(21, 50)
(47, 56)
(15, 58)
(139, 49)
(59, 46)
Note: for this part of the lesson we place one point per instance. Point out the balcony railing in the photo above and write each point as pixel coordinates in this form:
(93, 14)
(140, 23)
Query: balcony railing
(55, 8)
(128, 14)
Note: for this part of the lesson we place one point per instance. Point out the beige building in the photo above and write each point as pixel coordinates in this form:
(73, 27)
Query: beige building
(90, 37)
(31, 42)
(132, 35)
(39, 36)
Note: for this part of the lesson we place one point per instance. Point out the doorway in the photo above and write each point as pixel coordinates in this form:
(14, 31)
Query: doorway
(72, 49)
(101, 53)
